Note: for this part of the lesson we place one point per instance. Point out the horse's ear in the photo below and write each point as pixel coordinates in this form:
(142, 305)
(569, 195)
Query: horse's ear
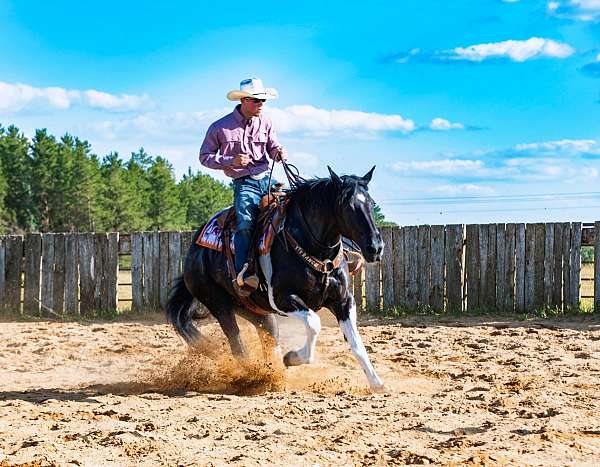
(334, 176)
(368, 175)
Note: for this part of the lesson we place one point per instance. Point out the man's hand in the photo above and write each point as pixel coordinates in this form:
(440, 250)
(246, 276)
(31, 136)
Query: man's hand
(241, 160)
(281, 155)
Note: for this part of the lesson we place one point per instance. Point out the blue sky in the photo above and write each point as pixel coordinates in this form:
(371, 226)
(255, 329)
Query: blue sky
(473, 111)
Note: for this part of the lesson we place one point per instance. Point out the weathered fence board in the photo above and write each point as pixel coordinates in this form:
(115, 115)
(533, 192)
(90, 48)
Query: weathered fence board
(174, 258)
(540, 241)
(597, 268)
(387, 268)
(149, 285)
(500, 267)
(454, 253)
(399, 261)
(530, 267)
(490, 277)
(436, 298)
(85, 246)
(549, 265)
(372, 286)
(558, 265)
(411, 267)
(71, 274)
(473, 265)
(100, 245)
(33, 261)
(566, 271)
(2, 272)
(137, 282)
(58, 281)
(511, 267)
(163, 268)
(575, 263)
(13, 259)
(47, 302)
(424, 264)
(520, 268)
(111, 270)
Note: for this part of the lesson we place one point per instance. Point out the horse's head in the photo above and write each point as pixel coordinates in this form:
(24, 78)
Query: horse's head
(355, 214)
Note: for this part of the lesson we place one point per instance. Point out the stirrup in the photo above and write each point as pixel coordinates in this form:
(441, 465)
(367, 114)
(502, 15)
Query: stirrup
(247, 282)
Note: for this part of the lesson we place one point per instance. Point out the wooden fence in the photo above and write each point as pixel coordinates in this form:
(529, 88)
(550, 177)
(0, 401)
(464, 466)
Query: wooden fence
(504, 267)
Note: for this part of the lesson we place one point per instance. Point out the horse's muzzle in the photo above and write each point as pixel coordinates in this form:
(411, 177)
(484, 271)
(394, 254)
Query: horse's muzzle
(374, 251)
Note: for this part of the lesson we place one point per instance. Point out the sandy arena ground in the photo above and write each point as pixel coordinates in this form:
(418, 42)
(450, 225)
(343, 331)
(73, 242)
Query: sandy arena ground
(475, 391)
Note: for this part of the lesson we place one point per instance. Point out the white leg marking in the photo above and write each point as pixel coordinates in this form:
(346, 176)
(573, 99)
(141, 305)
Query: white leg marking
(358, 348)
(312, 324)
(267, 267)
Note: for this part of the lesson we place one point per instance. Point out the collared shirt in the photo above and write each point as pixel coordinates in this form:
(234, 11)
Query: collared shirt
(234, 134)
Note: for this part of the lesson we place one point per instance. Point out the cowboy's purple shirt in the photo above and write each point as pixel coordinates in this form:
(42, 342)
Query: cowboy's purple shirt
(232, 135)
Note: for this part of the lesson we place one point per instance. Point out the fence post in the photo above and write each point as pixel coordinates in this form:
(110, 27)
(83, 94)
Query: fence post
(71, 274)
(387, 268)
(575, 263)
(472, 266)
(399, 263)
(597, 268)
(454, 269)
(412, 266)
(436, 298)
(2, 273)
(58, 281)
(33, 260)
(137, 261)
(511, 267)
(13, 266)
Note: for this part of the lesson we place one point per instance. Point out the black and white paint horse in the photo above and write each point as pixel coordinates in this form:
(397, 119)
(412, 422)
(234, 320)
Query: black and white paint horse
(319, 213)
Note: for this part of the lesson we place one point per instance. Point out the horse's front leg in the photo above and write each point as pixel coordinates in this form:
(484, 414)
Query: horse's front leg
(346, 315)
(312, 324)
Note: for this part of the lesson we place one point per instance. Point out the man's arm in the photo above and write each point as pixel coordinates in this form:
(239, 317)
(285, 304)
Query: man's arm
(274, 149)
(209, 156)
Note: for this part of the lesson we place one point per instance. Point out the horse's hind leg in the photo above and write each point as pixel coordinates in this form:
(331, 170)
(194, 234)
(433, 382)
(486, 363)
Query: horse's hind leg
(222, 307)
(268, 332)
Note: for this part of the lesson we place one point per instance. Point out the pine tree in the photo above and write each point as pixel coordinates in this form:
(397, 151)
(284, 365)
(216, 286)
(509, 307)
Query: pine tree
(137, 177)
(3, 211)
(120, 203)
(44, 154)
(85, 183)
(16, 164)
(165, 211)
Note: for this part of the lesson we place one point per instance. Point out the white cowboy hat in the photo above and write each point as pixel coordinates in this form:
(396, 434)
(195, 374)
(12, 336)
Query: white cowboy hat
(252, 87)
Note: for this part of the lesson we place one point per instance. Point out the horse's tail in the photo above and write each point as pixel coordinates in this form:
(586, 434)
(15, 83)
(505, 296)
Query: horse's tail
(179, 312)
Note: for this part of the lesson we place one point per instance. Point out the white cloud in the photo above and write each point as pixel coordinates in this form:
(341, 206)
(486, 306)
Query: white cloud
(515, 50)
(518, 51)
(463, 189)
(579, 10)
(443, 124)
(438, 167)
(309, 119)
(18, 97)
(564, 147)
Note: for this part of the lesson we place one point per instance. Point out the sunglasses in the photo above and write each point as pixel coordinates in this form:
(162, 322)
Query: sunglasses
(254, 100)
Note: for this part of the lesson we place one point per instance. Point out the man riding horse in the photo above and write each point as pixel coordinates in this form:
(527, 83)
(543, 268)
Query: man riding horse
(303, 268)
(239, 144)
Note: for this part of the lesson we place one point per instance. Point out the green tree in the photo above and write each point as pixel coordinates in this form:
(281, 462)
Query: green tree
(164, 209)
(44, 155)
(120, 202)
(16, 164)
(201, 196)
(380, 220)
(85, 184)
(3, 211)
(137, 176)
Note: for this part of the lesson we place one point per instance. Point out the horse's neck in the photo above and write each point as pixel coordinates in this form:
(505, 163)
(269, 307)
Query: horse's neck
(315, 228)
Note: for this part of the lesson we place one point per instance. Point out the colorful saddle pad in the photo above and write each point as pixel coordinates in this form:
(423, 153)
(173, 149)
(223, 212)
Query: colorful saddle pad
(212, 233)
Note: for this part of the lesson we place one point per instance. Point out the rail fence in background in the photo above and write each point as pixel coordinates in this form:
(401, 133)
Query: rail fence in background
(502, 267)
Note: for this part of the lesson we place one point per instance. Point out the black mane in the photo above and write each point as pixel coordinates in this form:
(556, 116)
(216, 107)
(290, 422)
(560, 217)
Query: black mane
(321, 190)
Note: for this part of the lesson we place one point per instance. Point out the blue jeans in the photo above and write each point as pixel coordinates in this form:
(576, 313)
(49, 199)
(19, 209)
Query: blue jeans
(247, 193)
